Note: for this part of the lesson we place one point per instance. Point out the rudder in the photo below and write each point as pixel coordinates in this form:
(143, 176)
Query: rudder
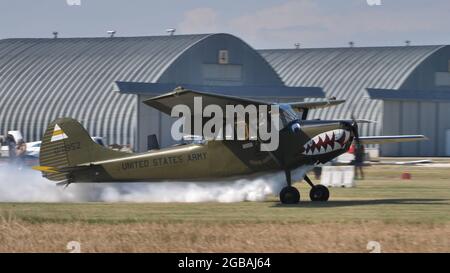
(67, 144)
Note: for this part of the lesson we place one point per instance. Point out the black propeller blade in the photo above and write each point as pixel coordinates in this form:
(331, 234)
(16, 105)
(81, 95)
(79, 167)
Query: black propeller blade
(355, 130)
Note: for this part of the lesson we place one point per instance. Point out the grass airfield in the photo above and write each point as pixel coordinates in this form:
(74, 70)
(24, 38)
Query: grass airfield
(402, 215)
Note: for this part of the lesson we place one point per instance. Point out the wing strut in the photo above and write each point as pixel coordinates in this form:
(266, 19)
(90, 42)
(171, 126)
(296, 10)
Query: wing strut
(305, 113)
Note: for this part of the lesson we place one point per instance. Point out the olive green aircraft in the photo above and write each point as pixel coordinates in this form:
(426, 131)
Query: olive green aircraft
(68, 154)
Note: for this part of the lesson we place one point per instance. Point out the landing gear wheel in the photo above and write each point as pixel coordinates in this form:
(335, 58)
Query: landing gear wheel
(319, 193)
(289, 195)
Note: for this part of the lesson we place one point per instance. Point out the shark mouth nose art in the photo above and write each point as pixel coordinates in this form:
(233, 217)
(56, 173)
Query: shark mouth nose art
(327, 142)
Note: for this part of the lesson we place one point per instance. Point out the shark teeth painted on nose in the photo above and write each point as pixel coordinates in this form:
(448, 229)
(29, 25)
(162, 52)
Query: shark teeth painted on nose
(327, 142)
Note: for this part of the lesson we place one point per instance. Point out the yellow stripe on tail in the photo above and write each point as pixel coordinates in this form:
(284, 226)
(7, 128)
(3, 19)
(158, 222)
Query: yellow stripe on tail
(45, 169)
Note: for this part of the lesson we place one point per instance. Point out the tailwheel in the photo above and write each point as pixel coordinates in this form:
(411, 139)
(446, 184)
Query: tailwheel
(319, 193)
(289, 195)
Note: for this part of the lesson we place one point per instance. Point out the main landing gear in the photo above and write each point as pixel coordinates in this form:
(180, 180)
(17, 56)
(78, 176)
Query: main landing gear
(290, 195)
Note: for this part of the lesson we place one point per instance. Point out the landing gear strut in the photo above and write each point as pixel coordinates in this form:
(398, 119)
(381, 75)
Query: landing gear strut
(317, 192)
(289, 194)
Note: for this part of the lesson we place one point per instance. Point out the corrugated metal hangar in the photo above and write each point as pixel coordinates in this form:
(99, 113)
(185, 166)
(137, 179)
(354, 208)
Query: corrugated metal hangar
(357, 72)
(403, 88)
(42, 79)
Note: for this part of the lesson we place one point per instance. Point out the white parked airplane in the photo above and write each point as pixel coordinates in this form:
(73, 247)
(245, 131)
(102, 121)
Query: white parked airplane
(33, 148)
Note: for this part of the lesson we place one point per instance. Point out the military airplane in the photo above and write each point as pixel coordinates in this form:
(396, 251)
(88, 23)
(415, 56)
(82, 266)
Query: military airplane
(68, 154)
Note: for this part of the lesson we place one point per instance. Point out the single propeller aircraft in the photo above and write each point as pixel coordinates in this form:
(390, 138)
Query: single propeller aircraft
(68, 154)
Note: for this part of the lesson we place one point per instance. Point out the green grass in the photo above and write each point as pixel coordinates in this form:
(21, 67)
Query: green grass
(382, 197)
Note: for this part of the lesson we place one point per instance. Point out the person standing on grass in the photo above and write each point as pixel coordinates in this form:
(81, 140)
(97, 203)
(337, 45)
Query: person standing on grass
(21, 151)
(11, 143)
(359, 160)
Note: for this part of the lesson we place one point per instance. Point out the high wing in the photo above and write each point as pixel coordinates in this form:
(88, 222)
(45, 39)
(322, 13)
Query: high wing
(164, 103)
(391, 139)
(302, 106)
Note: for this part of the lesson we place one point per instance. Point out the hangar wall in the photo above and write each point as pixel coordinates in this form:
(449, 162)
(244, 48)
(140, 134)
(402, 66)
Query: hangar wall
(423, 109)
(412, 117)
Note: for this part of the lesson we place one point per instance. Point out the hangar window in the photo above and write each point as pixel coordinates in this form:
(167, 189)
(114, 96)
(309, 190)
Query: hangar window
(219, 74)
(223, 57)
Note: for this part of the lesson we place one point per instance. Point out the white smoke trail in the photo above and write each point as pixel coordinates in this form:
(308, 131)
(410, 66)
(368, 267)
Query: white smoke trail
(29, 186)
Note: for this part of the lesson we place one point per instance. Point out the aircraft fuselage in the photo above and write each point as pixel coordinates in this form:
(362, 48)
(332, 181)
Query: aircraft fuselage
(217, 159)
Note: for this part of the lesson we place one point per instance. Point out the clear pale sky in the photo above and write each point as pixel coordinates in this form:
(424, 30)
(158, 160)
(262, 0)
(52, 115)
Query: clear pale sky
(261, 23)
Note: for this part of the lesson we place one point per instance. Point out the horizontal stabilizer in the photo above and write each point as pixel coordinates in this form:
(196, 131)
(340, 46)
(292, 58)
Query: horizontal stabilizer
(45, 169)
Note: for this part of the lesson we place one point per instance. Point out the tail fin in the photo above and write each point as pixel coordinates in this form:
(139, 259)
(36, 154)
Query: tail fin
(67, 144)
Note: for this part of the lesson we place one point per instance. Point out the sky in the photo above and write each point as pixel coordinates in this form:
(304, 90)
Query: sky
(261, 23)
